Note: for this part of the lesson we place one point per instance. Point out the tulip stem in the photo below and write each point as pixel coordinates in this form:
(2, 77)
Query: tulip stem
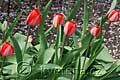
(26, 41)
(1, 72)
(63, 44)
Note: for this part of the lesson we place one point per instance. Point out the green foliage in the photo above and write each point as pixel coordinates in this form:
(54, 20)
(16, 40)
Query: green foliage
(80, 57)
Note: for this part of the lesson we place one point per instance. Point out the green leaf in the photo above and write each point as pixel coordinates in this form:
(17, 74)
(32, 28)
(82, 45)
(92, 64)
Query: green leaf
(39, 70)
(21, 39)
(48, 55)
(63, 78)
(70, 55)
(32, 51)
(104, 55)
(18, 52)
(68, 48)
(113, 5)
(86, 19)
(75, 41)
(41, 34)
(74, 11)
(113, 67)
(11, 27)
(13, 67)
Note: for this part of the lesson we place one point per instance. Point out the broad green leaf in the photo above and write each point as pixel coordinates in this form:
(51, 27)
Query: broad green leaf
(18, 52)
(48, 55)
(21, 39)
(104, 55)
(113, 67)
(27, 58)
(10, 69)
(13, 67)
(11, 27)
(11, 59)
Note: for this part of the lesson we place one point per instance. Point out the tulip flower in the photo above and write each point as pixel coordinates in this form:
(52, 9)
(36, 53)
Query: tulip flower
(69, 28)
(113, 16)
(4, 26)
(95, 30)
(58, 19)
(6, 49)
(34, 18)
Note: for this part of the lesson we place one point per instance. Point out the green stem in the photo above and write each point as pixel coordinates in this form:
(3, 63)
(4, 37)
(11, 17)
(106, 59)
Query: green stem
(63, 44)
(26, 40)
(58, 43)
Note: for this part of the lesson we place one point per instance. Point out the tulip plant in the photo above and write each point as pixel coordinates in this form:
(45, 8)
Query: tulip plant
(74, 54)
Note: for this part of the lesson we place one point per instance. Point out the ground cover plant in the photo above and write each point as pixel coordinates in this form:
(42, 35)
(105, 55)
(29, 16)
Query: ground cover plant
(74, 55)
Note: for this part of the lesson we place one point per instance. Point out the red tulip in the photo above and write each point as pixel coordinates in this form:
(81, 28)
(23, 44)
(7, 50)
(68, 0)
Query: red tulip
(58, 19)
(113, 16)
(70, 28)
(6, 49)
(34, 18)
(95, 30)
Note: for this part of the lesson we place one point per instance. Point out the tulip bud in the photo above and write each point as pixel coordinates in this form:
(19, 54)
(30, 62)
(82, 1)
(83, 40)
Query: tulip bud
(95, 30)
(113, 16)
(58, 19)
(30, 38)
(34, 18)
(70, 28)
(6, 49)
(4, 26)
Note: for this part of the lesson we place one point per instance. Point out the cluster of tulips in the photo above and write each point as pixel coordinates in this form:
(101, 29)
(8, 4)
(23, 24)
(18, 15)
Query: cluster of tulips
(34, 19)
(83, 51)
